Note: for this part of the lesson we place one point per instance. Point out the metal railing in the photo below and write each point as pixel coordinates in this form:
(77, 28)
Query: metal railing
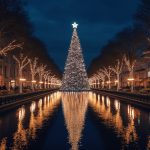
(142, 98)
(17, 97)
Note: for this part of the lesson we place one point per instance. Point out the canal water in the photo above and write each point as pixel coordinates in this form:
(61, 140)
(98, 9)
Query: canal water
(76, 121)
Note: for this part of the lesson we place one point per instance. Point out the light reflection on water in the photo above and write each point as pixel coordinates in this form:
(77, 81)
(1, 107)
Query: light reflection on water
(74, 108)
(131, 125)
(22, 135)
(126, 121)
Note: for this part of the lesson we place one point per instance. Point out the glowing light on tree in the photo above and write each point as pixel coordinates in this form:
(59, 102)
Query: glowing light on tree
(130, 63)
(101, 77)
(107, 72)
(10, 46)
(117, 69)
(22, 62)
(34, 71)
(75, 76)
(46, 75)
(41, 70)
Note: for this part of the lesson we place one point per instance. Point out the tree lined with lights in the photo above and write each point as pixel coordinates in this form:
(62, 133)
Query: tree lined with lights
(41, 71)
(9, 47)
(22, 62)
(46, 75)
(107, 72)
(34, 70)
(117, 69)
(101, 76)
(75, 76)
(130, 63)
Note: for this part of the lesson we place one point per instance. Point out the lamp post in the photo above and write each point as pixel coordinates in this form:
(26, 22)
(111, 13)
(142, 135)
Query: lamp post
(21, 83)
(131, 80)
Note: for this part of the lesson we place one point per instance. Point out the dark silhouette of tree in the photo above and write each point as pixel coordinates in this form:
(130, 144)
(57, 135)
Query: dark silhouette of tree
(14, 24)
(128, 42)
(142, 16)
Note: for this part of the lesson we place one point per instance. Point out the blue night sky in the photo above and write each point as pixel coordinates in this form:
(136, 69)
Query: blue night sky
(99, 21)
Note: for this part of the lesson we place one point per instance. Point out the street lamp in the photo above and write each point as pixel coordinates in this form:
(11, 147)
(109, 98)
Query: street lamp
(33, 81)
(130, 79)
(22, 79)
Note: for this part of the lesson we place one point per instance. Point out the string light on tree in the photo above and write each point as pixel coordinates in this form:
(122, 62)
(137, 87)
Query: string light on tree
(75, 76)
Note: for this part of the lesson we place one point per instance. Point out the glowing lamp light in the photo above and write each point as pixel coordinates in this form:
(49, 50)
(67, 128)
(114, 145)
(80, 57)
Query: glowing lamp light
(148, 74)
(40, 82)
(116, 81)
(33, 81)
(130, 79)
(12, 81)
(22, 79)
(108, 82)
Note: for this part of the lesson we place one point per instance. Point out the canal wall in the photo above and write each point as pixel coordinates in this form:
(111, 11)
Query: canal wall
(12, 101)
(132, 98)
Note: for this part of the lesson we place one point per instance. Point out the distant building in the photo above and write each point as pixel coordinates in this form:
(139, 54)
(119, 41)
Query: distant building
(141, 72)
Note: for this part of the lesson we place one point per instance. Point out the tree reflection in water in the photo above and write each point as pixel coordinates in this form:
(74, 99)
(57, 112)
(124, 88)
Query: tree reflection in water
(128, 125)
(124, 120)
(38, 112)
(74, 108)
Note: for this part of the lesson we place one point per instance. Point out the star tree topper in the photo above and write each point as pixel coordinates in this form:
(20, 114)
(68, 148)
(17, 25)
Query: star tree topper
(75, 25)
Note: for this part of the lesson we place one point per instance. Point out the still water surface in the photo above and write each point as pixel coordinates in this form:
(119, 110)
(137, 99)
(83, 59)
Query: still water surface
(76, 121)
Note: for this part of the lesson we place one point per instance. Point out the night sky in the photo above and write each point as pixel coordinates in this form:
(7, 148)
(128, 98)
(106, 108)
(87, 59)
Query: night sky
(99, 21)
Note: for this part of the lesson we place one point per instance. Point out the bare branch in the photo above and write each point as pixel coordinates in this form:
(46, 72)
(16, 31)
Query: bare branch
(12, 45)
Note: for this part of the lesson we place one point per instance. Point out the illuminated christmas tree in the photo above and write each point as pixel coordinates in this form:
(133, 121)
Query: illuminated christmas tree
(75, 76)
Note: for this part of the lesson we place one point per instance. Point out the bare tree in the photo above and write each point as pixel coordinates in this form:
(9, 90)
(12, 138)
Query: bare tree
(107, 72)
(5, 47)
(41, 70)
(46, 75)
(57, 82)
(92, 81)
(22, 62)
(117, 69)
(12, 45)
(50, 78)
(34, 70)
(102, 76)
(130, 63)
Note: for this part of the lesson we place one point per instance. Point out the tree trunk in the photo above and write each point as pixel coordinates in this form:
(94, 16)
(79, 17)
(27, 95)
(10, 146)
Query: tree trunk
(132, 82)
(48, 84)
(109, 84)
(103, 83)
(40, 85)
(118, 79)
(45, 84)
(32, 84)
(20, 82)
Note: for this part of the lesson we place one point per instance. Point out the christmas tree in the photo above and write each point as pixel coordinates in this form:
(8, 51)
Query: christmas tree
(75, 76)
